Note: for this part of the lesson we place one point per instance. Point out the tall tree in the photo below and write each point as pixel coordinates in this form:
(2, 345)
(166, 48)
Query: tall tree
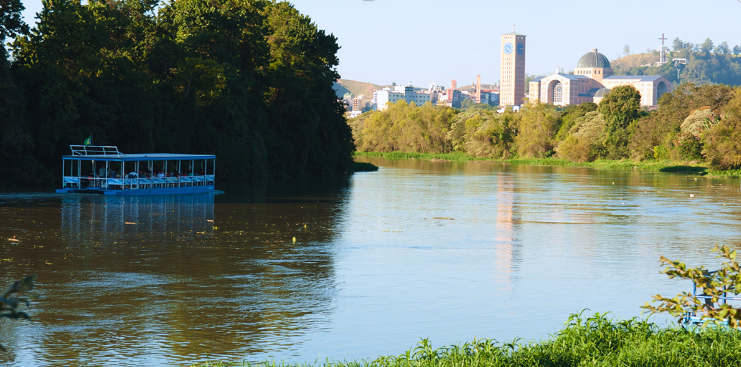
(707, 46)
(723, 48)
(11, 24)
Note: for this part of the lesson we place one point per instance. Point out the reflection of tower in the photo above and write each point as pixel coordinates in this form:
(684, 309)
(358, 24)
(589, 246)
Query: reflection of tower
(512, 69)
(504, 248)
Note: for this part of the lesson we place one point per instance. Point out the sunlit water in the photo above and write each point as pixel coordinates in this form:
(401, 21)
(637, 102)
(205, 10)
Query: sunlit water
(441, 250)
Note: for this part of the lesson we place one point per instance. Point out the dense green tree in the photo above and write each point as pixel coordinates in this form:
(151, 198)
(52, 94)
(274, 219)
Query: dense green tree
(677, 44)
(11, 25)
(537, 126)
(484, 133)
(250, 81)
(662, 127)
(723, 48)
(406, 128)
(620, 108)
(722, 140)
(707, 46)
(571, 114)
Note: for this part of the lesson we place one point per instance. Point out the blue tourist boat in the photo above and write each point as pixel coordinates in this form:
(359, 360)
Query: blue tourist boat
(92, 169)
(694, 318)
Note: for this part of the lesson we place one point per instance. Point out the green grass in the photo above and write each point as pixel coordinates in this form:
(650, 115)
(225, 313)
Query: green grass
(620, 165)
(427, 156)
(728, 173)
(584, 341)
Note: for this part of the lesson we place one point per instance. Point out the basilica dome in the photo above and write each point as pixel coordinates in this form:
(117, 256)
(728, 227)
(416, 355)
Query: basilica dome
(593, 59)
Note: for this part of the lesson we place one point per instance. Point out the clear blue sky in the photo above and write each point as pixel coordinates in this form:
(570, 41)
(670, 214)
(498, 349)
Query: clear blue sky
(386, 41)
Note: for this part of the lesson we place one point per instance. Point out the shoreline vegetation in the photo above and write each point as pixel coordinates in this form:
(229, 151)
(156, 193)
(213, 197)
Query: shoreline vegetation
(696, 129)
(595, 340)
(693, 167)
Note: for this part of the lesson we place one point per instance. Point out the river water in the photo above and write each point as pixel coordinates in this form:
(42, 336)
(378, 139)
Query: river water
(449, 251)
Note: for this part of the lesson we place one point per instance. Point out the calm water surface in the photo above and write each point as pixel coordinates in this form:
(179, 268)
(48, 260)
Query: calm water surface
(445, 250)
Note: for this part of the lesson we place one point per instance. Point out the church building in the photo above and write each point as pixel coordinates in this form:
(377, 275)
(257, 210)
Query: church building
(591, 81)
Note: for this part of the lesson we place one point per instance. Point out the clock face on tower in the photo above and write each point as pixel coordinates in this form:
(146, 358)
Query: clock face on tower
(520, 48)
(508, 48)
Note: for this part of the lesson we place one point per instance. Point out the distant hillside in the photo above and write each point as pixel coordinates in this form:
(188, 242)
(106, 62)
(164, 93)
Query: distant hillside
(472, 88)
(636, 60)
(343, 86)
(356, 88)
(701, 67)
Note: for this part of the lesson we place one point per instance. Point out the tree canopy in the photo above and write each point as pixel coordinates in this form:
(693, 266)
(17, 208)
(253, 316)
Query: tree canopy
(247, 80)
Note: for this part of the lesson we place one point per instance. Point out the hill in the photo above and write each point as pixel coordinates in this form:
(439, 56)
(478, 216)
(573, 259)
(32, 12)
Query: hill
(343, 86)
(702, 67)
(633, 61)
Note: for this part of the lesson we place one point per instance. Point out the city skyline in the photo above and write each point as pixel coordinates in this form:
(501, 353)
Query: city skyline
(419, 41)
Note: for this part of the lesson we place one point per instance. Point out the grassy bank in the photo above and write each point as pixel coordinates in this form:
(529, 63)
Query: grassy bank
(592, 341)
(699, 168)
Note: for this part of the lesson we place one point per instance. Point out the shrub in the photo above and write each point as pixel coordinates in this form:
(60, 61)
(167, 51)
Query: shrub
(698, 121)
(660, 152)
(662, 126)
(483, 133)
(723, 140)
(537, 126)
(575, 149)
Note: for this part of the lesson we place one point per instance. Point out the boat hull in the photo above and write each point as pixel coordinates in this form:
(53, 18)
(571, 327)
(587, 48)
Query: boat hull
(137, 192)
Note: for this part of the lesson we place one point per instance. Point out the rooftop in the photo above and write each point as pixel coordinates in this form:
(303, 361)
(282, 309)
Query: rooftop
(643, 78)
(593, 59)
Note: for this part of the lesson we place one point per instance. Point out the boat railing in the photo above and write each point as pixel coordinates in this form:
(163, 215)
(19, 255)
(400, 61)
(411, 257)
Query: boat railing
(129, 183)
(95, 150)
(694, 318)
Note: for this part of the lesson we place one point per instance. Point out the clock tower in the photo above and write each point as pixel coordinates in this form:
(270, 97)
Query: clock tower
(512, 69)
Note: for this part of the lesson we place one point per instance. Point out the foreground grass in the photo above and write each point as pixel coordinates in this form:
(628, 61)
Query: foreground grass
(591, 341)
(700, 168)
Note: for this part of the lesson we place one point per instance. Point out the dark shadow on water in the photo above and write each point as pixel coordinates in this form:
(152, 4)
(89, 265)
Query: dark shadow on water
(688, 169)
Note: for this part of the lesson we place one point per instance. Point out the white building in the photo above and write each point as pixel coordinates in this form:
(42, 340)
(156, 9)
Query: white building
(405, 92)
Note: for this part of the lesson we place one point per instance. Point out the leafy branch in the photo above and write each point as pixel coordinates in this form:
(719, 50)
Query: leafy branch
(712, 289)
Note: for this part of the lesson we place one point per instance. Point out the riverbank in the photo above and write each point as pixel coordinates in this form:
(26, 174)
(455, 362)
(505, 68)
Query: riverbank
(693, 167)
(594, 341)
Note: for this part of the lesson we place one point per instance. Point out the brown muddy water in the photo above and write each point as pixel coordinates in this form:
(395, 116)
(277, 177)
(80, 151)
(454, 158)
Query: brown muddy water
(441, 250)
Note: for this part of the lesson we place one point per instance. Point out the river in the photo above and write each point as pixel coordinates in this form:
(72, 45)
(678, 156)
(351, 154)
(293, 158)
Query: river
(449, 251)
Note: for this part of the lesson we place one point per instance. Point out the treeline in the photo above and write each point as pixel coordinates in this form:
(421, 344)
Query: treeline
(707, 63)
(693, 123)
(247, 80)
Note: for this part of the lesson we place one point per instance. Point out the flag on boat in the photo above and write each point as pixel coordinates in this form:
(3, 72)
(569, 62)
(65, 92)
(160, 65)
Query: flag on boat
(89, 140)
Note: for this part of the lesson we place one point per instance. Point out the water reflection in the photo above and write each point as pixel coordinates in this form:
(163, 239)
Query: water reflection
(154, 280)
(504, 228)
(445, 250)
(106, 219)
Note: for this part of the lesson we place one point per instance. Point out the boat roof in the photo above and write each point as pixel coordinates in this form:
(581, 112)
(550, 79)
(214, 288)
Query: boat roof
(111, 153)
